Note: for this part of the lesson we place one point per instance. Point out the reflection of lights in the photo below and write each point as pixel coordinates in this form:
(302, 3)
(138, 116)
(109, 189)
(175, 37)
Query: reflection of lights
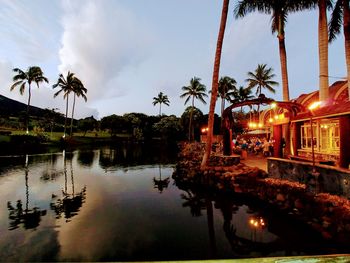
(314, 105)
(257, 222)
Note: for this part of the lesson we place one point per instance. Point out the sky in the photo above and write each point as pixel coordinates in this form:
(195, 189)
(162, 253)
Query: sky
(126, 52)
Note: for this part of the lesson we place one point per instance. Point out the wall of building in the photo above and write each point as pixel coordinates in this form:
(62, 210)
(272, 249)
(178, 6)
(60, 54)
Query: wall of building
(328, 179)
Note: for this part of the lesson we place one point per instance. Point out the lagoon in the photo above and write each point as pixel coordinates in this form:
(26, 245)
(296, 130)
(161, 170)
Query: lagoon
(121, 204)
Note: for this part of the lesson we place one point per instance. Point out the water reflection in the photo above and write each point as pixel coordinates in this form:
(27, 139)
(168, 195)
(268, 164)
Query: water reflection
(160, 183)
(131, 155)
(250, 226)
(29, 217)
(86, 158)
(50, 173)
(70, 202)
(128, 220)
(194, 201)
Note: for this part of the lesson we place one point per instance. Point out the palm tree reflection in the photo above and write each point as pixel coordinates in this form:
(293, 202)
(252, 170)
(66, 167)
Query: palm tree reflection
(160, 183)
(50, 173)
(71, 202)
(29, 217)
(194, 202)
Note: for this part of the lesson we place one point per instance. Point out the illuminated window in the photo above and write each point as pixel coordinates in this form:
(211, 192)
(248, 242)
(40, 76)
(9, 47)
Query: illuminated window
(326, 135)
(329, 135)
(306, 136)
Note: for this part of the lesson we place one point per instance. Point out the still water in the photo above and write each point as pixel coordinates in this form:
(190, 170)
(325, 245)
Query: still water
(122, 205)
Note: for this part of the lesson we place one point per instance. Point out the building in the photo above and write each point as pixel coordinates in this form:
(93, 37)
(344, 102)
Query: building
(329, 140)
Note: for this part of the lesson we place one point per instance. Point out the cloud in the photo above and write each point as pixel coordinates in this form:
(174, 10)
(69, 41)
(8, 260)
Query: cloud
(32, 28)
(101, 39)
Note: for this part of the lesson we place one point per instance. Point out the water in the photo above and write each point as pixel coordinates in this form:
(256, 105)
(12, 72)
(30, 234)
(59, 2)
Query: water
(122, 205)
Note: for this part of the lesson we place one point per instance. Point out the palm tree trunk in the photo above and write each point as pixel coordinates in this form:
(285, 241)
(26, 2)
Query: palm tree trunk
(283, 59)
(222, 106)
(346, 25)
(65, 120)
(28, 105)
(215, 82)
(71, 121)
(160, 109)
(190, 124)
(323, 50)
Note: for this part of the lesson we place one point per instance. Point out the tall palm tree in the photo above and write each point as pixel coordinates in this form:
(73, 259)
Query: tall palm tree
(161, 99)
(22, 78)
(322, 42)
(323, 49)
(215, 82)
(67, 85)
(196, 90)
(226, 90)
(341, 16)
(78, 90)
(279, 10)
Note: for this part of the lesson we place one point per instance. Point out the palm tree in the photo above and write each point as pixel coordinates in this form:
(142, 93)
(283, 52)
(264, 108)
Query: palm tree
(261, 78)
(215, 82)
(341, 15)
(243, 94)
(226, 90)
(161, 99)
(323, 49)
(33, 74)
(279, 10)
(68, 85)
(196, 90)
(78, 90)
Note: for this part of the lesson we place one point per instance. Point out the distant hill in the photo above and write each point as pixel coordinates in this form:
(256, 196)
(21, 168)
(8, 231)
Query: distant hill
(14, 108)
(10, 107)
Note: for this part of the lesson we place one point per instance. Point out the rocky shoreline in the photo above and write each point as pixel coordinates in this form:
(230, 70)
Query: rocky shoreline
(326, 213)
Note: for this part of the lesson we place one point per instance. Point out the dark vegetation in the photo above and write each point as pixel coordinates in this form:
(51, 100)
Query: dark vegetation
(46, 126)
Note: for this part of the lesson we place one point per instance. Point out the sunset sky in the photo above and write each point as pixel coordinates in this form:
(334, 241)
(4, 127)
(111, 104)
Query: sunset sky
(127, 51)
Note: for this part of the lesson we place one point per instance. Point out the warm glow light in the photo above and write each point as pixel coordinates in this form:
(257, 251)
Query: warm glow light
(276, 117)
(314, 105)
(260, 125)
(257, 222)
(273, 105)
(270, 120)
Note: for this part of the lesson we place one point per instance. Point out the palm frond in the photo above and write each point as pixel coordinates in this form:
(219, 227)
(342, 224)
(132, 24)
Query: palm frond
(335, 23)
(14, 85)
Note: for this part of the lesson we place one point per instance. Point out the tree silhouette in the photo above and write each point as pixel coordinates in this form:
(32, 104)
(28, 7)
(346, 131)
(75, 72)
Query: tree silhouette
(23, 78)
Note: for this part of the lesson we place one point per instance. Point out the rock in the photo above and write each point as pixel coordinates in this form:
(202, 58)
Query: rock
(298, 204)
(280, 197)
(326, 235)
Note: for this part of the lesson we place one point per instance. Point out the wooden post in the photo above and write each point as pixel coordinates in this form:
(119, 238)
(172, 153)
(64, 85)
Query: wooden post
(277, 136)
(344, 130)
(296, 144)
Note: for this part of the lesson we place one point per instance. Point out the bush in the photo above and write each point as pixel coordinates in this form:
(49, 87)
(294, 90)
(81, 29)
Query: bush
(27, 139)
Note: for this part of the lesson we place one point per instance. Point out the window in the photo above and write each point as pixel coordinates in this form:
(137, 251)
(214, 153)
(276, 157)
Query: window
(325, 133)
(306, 136)
(329, 133)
